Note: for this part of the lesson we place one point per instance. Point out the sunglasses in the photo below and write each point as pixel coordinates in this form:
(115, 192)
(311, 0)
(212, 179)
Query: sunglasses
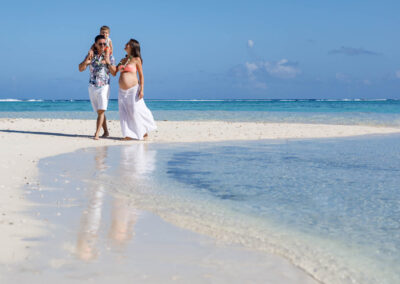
(102, 43)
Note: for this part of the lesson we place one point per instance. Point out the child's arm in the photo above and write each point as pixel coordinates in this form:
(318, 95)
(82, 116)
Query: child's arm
(111, 47)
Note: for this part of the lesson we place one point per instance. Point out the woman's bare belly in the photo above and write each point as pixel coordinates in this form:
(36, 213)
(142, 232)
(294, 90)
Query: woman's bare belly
(127, 80)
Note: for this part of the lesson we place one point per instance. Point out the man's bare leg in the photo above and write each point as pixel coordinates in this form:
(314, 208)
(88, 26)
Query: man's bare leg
(106, 133)
(99, 123)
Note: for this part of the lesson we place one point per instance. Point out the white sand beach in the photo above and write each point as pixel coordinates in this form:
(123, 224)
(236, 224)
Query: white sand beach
(25, 141)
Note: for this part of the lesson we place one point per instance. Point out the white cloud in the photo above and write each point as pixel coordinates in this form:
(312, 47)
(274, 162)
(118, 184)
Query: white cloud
(282, 69)
(250, 43)
(398, 74)
(260, 73)
(279, 69)
(251, 67)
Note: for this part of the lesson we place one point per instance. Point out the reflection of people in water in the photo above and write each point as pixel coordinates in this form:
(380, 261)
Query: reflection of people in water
(135, 165)
(123, 218)
(90, 225)
(91, 217)
(137, 162)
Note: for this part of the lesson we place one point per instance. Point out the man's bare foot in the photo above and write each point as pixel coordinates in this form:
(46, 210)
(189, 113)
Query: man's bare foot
(106, 134)
(126, 139)
(145, 136)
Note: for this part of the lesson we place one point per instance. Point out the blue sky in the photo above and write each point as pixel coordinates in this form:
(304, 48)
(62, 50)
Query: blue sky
(207, 49)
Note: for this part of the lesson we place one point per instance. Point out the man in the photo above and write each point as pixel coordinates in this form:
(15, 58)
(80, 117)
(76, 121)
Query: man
(99, 82)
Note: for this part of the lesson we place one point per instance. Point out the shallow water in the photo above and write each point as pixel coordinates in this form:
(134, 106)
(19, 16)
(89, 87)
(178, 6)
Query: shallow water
(330, 206)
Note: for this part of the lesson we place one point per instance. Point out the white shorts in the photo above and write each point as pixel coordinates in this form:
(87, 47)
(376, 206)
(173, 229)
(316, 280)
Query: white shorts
(99, 97)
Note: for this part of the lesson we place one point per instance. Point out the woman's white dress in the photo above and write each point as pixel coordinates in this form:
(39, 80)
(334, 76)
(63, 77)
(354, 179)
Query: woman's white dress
(136, 119)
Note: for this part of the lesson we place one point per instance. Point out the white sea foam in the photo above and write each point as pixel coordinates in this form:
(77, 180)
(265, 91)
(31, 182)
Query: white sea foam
(191, 100)
(352, 100)
(10, 100)
(17, 100)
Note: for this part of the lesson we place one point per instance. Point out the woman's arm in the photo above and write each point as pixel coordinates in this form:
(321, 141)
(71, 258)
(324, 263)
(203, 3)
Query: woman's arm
(84, 64)
(141, 78)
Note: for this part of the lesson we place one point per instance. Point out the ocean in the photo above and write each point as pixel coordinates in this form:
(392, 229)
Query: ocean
(384, 112)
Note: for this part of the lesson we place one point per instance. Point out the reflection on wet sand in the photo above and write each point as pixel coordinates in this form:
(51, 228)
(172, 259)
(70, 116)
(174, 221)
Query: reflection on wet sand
(135, 164)
(90, 225)
(91, 216)
(123, 218)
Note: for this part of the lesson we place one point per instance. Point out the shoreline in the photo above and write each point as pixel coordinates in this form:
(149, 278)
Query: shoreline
(26, 141)
(190, 130)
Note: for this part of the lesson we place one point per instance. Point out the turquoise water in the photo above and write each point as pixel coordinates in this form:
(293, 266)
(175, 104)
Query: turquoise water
(361, 112)
(330, 206)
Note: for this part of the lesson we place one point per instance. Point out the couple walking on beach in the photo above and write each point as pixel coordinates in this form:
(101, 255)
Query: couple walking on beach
(136, 119)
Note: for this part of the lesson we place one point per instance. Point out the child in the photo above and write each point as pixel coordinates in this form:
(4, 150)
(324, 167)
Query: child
(105, 31)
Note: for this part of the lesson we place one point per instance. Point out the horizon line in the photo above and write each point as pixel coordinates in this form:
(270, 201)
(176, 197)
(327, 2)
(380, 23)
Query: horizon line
(210, 100)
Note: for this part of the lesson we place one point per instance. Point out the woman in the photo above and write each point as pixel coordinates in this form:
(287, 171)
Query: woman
(136, 119)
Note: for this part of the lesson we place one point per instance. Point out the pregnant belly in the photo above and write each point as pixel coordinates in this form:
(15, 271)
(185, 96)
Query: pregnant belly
(127, 80)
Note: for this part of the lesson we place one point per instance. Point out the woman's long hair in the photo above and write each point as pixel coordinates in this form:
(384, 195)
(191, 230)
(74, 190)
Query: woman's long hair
(135, 48)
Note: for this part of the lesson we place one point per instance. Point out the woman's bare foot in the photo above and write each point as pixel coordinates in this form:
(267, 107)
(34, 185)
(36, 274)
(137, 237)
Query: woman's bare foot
(126, 139)
(145, 136)
(106, 134)
(96, 136)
